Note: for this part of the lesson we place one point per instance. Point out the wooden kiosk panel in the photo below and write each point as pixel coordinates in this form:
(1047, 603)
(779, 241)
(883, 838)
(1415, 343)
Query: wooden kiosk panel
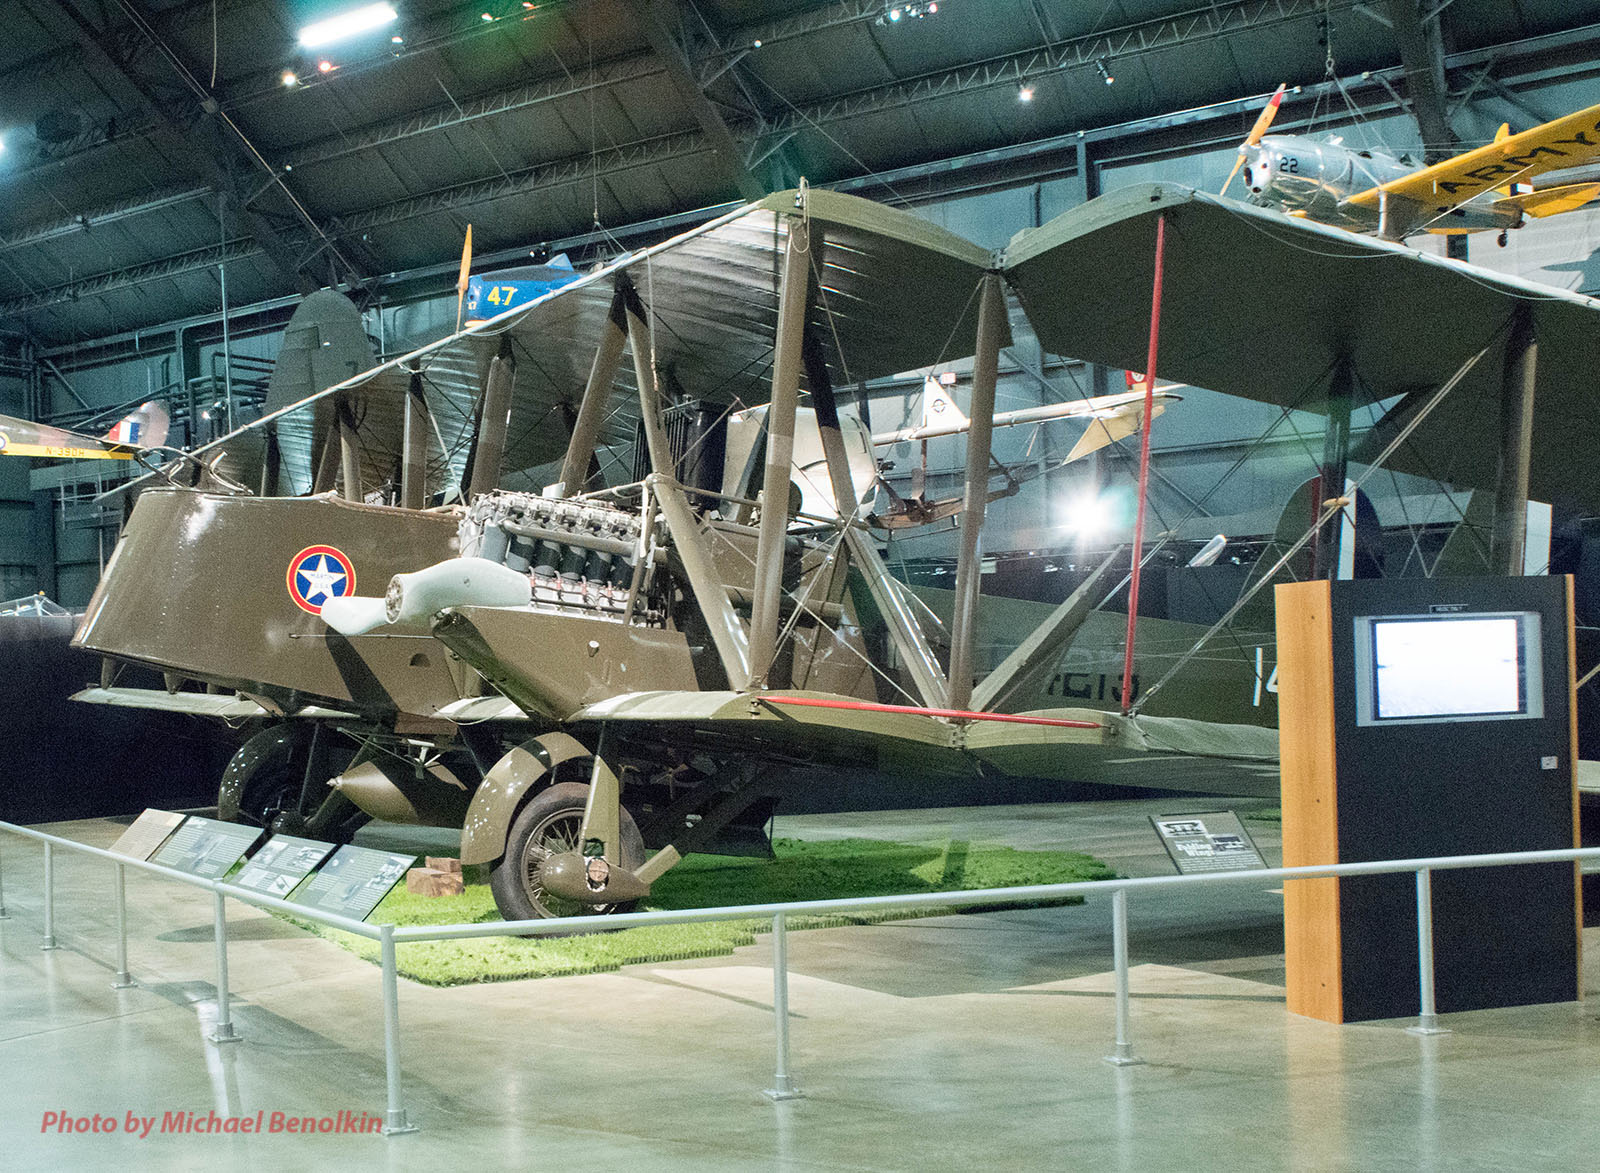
(1310, 790)
(1427, 718)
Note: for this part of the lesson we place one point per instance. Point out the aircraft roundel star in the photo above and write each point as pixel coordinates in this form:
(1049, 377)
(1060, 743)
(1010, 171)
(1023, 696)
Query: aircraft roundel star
(317, 574)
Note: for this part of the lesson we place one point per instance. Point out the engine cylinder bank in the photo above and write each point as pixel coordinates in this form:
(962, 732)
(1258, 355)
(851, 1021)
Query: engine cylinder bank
(579, 555)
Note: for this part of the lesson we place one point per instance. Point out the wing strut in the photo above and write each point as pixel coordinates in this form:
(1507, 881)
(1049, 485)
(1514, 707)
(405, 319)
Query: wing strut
(780, 451)
(1144, 465)
(596, 394)
(1516, 447)
(985, 369)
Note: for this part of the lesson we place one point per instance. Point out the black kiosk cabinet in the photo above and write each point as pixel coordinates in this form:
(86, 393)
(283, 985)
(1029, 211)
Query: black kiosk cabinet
(1424, 718)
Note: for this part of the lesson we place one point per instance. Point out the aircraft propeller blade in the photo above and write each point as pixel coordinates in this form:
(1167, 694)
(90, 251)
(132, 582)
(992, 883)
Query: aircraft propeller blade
(1257, 132)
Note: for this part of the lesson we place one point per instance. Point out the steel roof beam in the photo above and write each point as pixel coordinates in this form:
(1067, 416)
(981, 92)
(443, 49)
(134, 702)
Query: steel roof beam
(1422, 56)
(109, 214)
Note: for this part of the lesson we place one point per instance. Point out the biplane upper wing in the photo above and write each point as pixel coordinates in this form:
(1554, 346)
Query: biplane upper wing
(1566, 142)
(894, 293)
(1263, 307)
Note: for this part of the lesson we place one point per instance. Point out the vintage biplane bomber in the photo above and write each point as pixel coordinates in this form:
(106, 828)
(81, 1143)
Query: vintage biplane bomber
(577, 674)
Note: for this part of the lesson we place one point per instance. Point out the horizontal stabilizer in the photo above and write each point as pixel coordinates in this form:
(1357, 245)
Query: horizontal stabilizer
(1108, 429)
(1550, 201)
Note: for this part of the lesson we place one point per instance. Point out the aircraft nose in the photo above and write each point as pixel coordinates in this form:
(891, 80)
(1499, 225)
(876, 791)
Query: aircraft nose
(1258, 172)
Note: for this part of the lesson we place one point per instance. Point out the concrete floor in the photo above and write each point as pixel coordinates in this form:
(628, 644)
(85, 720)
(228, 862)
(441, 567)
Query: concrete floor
(948, 1043)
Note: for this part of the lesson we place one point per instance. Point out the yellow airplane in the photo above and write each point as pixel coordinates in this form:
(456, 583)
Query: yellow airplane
(1486, 189)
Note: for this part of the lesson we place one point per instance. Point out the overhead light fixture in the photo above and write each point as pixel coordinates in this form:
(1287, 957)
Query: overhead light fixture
(289, 79)
(1104, 68)
(486, 16)
(324, 66)
(397, 39)
(347, 24)
(1025, 93)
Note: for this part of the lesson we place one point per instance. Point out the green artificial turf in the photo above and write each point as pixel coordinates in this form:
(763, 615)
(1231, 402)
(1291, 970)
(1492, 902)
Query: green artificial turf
(803, 870)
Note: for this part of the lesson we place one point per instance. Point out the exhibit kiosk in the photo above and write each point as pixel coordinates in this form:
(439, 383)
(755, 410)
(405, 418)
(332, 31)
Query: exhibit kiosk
(1422, 718)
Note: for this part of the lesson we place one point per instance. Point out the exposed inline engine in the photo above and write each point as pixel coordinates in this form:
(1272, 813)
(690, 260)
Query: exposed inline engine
(579, 554)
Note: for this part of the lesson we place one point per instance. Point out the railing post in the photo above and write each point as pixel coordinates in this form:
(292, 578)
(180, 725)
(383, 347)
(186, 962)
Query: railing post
(395, 1123)
(1123, 1055)
(1428, 1019)
(49, 899)
(124, 978)
(223, 1032)
(783, 1087)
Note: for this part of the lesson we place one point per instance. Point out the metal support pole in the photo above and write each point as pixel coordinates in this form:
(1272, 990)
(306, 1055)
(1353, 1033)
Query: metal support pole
(1123, 1055)
(124, 980)
(969, 577)
(49, 900)
(4, 915)
(1144, 466)
(1428, 1019)
(773, 540)
(1516, 448)
(783, 1087)
(223, 1032)
(395, 1123)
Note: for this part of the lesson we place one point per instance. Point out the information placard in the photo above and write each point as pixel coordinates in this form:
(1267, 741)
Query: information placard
(354, 881)
(282, 862)
(206, 847)
(148, 832)
(1211, 841)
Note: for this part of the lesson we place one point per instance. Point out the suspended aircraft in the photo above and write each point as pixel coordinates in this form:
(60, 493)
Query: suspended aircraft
(142, 429)
(1489, 189)
(576, 667)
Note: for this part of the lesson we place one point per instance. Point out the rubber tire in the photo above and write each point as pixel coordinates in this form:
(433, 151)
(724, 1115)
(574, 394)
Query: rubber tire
(563, 799)
(267, 767)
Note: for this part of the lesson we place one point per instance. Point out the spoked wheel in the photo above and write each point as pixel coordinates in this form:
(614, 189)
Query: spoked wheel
(549, 825)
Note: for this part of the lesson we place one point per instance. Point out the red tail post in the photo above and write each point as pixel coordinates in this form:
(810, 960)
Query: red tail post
(1144, 468)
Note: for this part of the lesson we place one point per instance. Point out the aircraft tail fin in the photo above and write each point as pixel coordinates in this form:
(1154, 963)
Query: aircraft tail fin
(939, 409)
(143, 427)
(1108, 429)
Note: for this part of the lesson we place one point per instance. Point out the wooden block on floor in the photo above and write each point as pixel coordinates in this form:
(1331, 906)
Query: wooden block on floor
(434, 882)
(444, 863)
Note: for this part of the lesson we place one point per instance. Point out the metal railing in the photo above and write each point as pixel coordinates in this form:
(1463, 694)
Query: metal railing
(783, 1087)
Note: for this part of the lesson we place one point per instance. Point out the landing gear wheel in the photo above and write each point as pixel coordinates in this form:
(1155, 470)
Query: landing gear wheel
(1502, 239)
(264, 783)
(548, 825)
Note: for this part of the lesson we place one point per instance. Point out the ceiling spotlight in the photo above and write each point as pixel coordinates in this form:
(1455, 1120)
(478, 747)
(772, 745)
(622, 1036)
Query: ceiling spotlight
(1025, 93)
(397, 39)
(347, 24)
(1103, 67)
(324, 66)
(288, 78)
(894, 14)
(486, 16)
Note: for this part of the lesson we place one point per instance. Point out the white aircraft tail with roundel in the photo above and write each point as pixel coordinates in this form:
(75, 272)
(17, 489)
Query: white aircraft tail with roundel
(939, 411)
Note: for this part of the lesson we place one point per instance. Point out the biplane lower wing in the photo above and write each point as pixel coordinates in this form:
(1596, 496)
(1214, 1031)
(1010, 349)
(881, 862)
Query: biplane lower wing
(1080, 745)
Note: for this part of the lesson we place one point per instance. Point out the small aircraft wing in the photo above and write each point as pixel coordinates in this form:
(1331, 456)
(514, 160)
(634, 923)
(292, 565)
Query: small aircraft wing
(1566, 142)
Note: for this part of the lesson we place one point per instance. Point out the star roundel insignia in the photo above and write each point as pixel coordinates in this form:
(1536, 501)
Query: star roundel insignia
(317, 574)
(4, 441)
